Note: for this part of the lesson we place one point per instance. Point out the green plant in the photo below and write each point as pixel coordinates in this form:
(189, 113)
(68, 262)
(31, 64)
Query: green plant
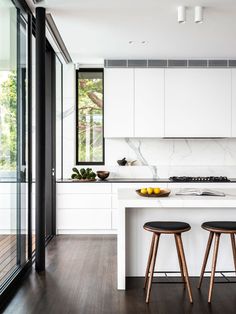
(8, 120)
(83, 174)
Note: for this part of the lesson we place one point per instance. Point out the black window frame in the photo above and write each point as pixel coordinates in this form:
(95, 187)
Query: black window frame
(85, 163)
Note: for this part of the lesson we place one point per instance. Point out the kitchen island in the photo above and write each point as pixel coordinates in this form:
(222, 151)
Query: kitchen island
(134, 242)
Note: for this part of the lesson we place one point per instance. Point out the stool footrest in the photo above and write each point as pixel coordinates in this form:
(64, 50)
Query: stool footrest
(226, 278)
(167, 277)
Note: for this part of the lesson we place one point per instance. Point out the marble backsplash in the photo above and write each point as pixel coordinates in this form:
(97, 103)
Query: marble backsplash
(161, 158)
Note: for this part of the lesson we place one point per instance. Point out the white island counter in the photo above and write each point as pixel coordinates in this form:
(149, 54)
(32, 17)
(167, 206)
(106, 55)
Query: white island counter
(134, 241)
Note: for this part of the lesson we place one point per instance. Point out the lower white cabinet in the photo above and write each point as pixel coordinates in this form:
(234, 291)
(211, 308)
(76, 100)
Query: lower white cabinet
(83, 206)
(81, 201)
(93, 208)
(90, 207)
(83, 219)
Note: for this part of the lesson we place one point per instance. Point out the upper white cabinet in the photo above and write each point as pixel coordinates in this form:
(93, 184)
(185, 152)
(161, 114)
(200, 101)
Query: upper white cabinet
(149, 103)
(198, 102)
(119, 102)
(134, 102)
(170, 102)
(234, 102)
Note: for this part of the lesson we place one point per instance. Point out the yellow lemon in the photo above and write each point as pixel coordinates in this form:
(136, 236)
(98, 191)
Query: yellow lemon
(143, 191)
(149, 190)
(157, 190)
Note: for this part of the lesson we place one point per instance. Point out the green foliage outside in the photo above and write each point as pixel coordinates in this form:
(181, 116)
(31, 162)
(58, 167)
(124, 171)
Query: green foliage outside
(8, 123)
(90, 128)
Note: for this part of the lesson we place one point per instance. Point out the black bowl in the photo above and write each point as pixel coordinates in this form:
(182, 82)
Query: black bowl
(103, 174)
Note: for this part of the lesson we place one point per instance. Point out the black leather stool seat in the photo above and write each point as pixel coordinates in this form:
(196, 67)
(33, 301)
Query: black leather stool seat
(223, 226)
(166, 226)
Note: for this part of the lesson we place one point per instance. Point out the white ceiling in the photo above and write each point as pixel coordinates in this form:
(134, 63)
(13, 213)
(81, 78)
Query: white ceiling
(94, 30)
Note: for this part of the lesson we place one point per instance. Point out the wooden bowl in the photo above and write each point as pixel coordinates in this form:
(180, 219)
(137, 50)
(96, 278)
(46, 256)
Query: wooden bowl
(103, 174)
(163, 193)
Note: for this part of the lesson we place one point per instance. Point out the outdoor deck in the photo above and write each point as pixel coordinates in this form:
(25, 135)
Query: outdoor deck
(8, 255)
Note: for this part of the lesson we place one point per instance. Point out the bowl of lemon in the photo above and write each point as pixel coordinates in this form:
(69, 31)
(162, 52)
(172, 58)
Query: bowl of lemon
(153, 192)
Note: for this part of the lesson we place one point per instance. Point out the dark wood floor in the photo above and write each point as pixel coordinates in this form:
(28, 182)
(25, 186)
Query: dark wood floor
(81, 278)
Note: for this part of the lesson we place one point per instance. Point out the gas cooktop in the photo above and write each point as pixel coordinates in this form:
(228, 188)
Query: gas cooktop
(199, 179)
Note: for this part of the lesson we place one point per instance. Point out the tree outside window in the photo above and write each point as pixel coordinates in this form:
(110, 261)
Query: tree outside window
(89, 128)
(8, 136)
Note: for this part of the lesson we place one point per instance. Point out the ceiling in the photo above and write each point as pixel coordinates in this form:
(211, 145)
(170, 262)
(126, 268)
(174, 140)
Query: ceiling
(94, 30)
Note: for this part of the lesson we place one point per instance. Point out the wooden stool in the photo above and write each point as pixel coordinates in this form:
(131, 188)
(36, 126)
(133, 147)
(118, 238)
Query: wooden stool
(216, 228)
(166, 227)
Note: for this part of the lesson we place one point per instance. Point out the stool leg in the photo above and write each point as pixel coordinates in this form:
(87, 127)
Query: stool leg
(149, 261)
(214, 260)
(205, 258)
(233, 248)
(181, 249)
(152, 266)
(180, 261)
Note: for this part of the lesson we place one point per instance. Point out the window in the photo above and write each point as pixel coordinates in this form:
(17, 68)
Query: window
(89, 117)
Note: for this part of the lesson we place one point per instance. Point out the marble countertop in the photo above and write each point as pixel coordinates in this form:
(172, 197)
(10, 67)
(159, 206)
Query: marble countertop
(138, 180)
(129, 198)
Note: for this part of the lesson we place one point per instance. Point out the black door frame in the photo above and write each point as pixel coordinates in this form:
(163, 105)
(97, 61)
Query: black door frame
(50, 145)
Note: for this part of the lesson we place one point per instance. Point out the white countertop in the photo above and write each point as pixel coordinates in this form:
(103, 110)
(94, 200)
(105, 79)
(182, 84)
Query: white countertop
(129, 198)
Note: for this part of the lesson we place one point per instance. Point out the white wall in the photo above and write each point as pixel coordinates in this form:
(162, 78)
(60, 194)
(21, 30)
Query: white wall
(68, 118)
(155, 157)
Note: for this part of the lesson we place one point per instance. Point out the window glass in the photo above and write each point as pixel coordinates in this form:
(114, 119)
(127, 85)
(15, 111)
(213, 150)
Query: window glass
(90, 139)
(13, 140)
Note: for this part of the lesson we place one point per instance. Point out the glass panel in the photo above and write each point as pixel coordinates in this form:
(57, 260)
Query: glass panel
(22, 142)
(8, 139)
(90, 116)
(13, 140)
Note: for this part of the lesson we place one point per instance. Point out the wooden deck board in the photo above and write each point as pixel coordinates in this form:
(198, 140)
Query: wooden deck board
(8, 263)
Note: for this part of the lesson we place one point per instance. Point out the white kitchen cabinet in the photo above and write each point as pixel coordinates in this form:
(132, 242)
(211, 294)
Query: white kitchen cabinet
(93, 207)
(119, 102)
(114, 218)
(149, 103)
(197, 102)
(83, 188)
(71, 220)
(84, 200)
(233, 102)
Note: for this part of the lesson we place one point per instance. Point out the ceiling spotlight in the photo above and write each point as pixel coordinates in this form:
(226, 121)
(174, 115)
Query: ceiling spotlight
(198, 14)
(181, 14)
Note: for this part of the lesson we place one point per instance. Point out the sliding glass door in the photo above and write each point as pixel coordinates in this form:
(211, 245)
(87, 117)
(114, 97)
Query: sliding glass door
(17, 141)
(13, 141)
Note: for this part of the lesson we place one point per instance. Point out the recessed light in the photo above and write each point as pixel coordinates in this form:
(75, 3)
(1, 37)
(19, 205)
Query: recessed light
(143, 42)
(131, 42)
